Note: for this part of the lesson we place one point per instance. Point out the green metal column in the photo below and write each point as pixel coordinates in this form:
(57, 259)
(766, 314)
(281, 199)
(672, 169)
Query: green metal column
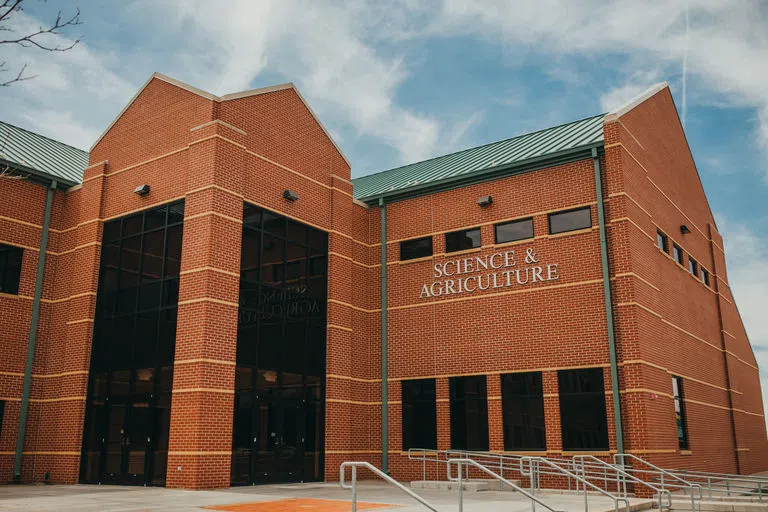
(608, 304)
(384, 348)
(33, 333)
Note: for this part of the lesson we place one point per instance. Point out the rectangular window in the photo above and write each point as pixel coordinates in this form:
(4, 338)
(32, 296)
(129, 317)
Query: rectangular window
(677, 253)
(583, 417)
(693, 267)
(522, 405)
(705, 276)
(462, 240)
(419, 248)
(10, 268)
(682, 427)
(571, 220)
(515, 230)
(419, 414)
(662, 241)
(469, 413)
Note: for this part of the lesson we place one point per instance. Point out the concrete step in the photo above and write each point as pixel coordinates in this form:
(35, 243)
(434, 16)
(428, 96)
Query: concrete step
(720, 506)
(467, 485)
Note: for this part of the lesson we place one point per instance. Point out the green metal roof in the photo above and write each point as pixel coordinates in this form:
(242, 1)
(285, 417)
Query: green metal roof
(484, 162)
(40, 156)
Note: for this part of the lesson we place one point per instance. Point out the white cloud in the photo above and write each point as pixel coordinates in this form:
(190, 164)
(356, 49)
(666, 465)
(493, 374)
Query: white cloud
(747, 261)
(319, 46)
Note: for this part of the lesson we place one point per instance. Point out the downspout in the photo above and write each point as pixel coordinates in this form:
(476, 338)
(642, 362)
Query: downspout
(384, 348)
(33, 332)
(715, 277)
(608, 304)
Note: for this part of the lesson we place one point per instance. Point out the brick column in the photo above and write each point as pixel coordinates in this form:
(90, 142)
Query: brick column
(200, 442)
(552, 412)
(495, 421)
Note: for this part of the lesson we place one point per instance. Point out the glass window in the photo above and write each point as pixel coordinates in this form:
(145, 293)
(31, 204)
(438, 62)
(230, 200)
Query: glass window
(662, 241)
(583, 418)
(419, 414)
(515, 230)
(462, 240)
(693, 267)
(522, 405)
(677, 253)
(469, 413)
(682, 426)
(571, 220)
(10, 268)
(419, 248)
(705, 276)
(133, 345)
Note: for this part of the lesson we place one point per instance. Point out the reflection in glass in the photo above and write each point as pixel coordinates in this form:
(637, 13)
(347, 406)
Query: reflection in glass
(127, 418)
(280, 373)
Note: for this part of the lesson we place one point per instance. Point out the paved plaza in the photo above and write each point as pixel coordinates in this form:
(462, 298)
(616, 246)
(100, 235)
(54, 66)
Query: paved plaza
(310, 497)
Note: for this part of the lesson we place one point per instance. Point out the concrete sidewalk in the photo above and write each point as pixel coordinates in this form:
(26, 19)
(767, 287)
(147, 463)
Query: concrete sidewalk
(309, 497)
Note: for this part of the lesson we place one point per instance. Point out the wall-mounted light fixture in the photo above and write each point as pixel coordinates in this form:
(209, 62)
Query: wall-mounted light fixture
(290, 195)
(684, 229)
(485, 201)
(141, 190)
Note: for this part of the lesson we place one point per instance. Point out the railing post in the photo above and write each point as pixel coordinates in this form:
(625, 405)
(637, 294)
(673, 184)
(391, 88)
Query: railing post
(354, 488)
(461, 487)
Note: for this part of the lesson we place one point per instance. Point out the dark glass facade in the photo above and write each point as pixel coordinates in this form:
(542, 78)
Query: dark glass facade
(419, 414)
(522, 403)
(280, 374)
(583, 419)
(469, 413)
(127, 419)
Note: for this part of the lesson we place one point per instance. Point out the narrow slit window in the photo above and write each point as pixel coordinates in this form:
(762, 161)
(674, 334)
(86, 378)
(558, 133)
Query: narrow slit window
(462, 240)
(693, 267)
(418, 248)
(571, 220)
(705, 276)
(513, 231)
(682, 426)
(677, 253)
(662, 241)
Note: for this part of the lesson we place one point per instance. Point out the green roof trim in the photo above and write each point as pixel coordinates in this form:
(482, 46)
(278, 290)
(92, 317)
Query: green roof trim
(543, 148)
(41, 157)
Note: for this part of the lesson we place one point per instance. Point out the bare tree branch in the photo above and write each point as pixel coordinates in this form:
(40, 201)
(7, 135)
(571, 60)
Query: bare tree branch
(8, 8)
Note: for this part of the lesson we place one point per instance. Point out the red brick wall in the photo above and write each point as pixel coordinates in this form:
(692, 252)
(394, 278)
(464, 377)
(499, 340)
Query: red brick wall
(217, 154)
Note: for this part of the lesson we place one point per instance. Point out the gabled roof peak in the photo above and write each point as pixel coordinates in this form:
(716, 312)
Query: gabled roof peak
(226, 97)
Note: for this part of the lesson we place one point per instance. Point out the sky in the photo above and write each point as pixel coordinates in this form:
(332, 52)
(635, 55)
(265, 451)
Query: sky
(404, 80)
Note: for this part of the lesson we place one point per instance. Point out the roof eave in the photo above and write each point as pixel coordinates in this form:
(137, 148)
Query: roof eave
(490, 174)
(39, 176)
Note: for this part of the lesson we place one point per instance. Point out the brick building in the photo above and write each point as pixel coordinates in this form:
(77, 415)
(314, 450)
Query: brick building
(197, 302)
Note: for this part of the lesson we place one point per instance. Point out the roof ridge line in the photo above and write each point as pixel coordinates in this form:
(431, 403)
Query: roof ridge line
(481, 145)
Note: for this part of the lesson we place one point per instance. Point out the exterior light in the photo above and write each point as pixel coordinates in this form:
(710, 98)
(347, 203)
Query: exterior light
(290, 195)
(485, 201)
(141, 190)
(684, 229)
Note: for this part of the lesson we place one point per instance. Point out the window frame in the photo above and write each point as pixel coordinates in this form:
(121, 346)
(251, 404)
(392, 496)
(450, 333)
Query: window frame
(415, 240)
(681, 423)
(465, 232)
(564, 212)
(467, 403)
(704, 275)
(677, 254)
(518, 221)
(664, 239)
(12, 270)
(410, 439)
(529, 408)
(567, 412)
(693, 267)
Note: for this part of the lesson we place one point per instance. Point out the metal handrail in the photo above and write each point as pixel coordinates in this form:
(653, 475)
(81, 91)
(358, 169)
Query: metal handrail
(583, 481)
(624, 474)
(618, 458)
(471, 462)
(380, 474)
